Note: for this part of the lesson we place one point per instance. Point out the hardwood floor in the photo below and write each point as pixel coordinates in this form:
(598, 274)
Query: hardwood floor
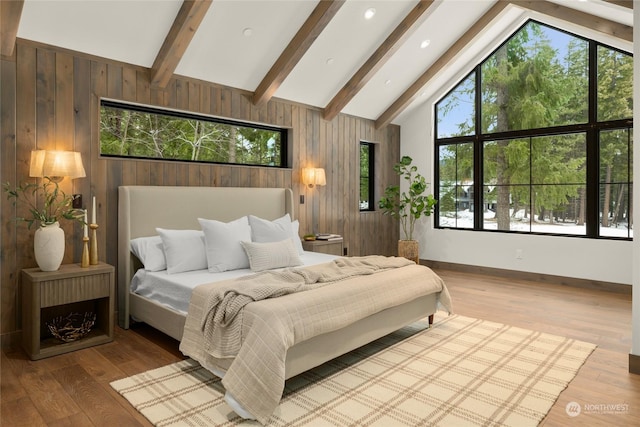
(73, 389)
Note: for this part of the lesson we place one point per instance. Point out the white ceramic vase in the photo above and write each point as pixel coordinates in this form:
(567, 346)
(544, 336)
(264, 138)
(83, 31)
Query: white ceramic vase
(48, 245)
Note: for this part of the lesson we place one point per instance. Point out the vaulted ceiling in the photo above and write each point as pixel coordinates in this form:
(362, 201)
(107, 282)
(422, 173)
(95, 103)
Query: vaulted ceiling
(320, 53)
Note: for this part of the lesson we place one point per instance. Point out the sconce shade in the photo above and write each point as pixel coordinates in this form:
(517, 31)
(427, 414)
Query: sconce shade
(313, 176)
(56, 164)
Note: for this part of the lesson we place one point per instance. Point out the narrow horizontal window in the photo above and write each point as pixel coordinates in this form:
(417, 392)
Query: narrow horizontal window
(150, 133)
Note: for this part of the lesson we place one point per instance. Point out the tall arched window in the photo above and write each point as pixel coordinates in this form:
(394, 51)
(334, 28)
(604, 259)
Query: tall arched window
(538, 139)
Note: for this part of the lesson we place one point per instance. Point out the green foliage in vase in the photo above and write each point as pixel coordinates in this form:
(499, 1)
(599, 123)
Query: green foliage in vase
(408, 206)
(46, 202)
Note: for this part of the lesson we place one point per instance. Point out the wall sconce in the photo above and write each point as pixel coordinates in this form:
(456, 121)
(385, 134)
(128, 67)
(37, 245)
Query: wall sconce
(56, 165)
(313, 176)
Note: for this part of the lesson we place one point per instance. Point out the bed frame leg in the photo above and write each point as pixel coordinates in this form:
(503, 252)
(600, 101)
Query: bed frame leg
(430, 320)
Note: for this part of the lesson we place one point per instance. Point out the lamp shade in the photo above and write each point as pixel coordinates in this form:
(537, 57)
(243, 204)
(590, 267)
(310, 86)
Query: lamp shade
(313, 176)
(56, 164)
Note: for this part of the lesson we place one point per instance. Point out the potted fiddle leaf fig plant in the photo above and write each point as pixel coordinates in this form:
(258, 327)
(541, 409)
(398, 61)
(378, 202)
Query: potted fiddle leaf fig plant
(408, 206)
(47, 204)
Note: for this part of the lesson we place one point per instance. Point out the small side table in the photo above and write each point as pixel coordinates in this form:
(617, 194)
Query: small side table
(332, 247)
(49, 294)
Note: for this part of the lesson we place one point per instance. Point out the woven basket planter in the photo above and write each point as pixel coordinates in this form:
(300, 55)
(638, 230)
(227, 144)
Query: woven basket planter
(409, 249)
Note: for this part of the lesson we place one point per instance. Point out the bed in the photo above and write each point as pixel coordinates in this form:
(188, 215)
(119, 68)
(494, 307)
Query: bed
(143, 209)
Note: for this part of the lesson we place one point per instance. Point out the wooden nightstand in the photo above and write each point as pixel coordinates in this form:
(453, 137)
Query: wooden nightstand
(332, 247)
(49, 294)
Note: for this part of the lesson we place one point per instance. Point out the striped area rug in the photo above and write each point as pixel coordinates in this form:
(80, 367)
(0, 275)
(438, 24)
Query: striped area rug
(461, 372)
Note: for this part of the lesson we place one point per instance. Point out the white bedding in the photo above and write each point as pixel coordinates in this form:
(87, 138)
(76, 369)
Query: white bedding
(174, 290)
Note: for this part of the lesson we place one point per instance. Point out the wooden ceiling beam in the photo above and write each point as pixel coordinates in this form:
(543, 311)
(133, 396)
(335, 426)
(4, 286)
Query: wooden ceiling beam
(386, 50)
(298, 46)
(583, 19)
(412, 92)
(184, 27)
(624, 3)
(10, 12)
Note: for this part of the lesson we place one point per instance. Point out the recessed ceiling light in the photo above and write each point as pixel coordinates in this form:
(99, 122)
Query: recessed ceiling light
(368, 14)
(388, 82)
(425, 43)
(329, 61)
(247, 32)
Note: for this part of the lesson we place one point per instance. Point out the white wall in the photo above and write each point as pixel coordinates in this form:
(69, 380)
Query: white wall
(604, 260)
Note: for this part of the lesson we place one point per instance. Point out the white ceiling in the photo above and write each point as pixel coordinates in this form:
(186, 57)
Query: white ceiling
(133, 31)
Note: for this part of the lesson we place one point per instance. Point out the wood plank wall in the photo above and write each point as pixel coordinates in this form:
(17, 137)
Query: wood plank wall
(50, 100)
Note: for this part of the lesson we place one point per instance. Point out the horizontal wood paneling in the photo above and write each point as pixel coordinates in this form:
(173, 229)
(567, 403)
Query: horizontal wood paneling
(55, 105)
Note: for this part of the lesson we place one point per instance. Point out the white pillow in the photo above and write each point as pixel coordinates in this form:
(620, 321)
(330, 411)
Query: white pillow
(150, 252)
(222, 242)
(263, 231)
(295, 235)
(184, 250)
(266, 256)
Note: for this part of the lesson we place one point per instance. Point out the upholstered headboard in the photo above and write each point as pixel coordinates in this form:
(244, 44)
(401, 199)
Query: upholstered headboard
(143, 208)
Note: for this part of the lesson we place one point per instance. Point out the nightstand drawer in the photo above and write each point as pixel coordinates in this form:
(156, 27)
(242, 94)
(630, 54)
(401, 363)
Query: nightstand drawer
(65, 291)
(331, 247)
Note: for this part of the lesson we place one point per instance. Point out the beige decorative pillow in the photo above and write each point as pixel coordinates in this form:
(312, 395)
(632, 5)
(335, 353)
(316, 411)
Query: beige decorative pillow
(266, 256)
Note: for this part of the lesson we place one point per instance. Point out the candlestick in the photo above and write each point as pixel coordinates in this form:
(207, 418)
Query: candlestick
(85, 252)
(93, 211)
(93, 252)
(84, 227)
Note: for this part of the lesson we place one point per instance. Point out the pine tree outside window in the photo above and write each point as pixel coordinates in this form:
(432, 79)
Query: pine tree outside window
(538, 139)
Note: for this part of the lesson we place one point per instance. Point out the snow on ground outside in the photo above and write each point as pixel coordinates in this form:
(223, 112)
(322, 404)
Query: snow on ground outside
(521, 223)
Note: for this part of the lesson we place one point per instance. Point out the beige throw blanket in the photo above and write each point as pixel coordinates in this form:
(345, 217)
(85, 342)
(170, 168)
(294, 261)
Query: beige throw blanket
(268, 328)
(220, 323)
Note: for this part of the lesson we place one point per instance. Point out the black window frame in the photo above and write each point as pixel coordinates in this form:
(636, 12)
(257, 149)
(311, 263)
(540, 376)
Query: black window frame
(284, 143)
(591, 128)
(370, 179)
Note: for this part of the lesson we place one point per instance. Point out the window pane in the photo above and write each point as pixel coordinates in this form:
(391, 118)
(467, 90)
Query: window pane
(150, 133)
(559, 159)
(456, 163)
(539, 78)
(614, 210)
(455, 206)
(615, 84)
(615, 159)
(455, 197)
(506, 208)
(447, 206)
(366, 176)
(464, 206)
(559, 209)
(465, 163)
(507, 162)
(447, 164)
(456, 112)
(615, 182)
